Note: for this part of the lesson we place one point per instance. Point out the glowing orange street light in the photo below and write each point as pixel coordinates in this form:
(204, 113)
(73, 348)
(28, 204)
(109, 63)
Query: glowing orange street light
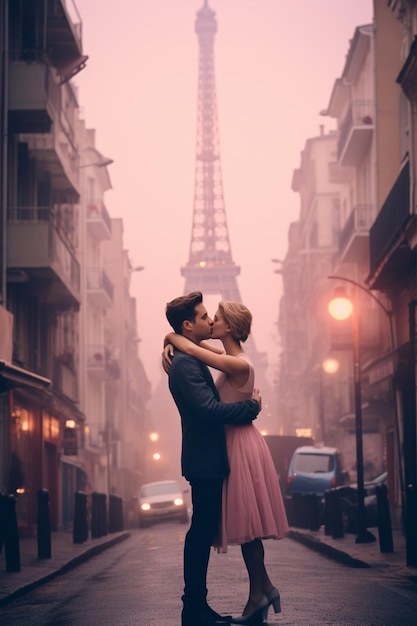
(340, 307)
(154, 436)
(330, 366)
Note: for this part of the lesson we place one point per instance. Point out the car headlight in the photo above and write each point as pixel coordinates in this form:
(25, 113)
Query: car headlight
(145, 506)
(178, 501)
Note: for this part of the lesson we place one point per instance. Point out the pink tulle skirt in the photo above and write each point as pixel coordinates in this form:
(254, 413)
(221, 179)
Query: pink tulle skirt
(253, 506)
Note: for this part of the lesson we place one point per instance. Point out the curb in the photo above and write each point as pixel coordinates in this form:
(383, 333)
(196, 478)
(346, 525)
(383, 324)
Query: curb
(80, 558)
(326, 550)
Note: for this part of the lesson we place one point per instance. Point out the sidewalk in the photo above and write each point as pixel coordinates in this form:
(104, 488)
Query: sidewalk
(352, 554)
(66, 554)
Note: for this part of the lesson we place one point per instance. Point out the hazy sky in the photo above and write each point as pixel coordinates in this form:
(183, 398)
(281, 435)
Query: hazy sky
(276, 62)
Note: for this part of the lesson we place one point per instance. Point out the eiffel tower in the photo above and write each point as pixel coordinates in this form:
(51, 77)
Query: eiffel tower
(210, 266)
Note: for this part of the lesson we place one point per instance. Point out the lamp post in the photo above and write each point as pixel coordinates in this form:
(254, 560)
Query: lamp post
(389, 314)
(340, 308)
(328, 366)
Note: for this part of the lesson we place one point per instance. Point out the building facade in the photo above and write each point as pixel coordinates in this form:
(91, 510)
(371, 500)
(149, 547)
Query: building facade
(373, 259)
(55, 364)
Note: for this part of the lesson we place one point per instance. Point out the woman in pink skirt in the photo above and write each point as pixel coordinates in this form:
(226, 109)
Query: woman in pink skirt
(253, 508)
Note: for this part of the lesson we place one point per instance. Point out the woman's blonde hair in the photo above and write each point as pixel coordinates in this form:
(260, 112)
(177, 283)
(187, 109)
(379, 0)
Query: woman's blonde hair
(238, 317)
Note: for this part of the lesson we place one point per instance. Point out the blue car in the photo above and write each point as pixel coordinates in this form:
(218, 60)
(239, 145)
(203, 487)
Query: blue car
(314, 469)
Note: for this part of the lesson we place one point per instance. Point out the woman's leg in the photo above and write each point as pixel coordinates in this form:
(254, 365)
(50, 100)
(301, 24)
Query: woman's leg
(259, 583)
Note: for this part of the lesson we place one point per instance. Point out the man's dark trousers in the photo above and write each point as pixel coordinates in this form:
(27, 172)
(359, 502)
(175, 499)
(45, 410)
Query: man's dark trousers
(206, 495)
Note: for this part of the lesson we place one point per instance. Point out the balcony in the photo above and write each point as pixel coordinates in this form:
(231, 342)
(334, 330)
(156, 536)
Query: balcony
(407, 77)
(64, 377)
(96, 361)
(353, 239)
(390, 254)
(45, 114)
(38, 247)
(355, 132)
(34, 96)
(99, 288)
(98, 220)
(62, 35)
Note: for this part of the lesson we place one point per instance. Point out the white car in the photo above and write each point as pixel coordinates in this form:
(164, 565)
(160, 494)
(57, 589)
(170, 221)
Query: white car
(163, 500)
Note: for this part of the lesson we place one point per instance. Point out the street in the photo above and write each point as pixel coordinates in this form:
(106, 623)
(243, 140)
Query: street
(139, 581)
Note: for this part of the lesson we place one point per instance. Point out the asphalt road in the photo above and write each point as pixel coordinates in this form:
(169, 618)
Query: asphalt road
(139, 581)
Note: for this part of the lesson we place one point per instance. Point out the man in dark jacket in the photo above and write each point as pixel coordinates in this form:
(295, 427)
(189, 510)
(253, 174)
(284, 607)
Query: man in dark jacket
(204, 460)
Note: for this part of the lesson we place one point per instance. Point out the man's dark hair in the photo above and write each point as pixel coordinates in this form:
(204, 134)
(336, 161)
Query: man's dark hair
(183, 308)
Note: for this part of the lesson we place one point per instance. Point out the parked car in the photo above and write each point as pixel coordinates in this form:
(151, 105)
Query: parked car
(163, 500)
(313, 469)
(348, 500)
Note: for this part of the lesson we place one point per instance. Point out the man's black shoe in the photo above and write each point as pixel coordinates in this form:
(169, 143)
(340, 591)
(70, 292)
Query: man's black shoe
(212, 614)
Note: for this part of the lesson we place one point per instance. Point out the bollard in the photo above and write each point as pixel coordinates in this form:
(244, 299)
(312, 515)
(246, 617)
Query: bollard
(303, 511)
(289, 509)
(297, 508)
(44, 525)
(337, 522)
(80, 526)
(327, 513)
(103, 514)
(2, 514)
(384, 520)
(11, 535)
(95, 515)
(115, 514)
(112, 514)
(314, 517)
(120, 516)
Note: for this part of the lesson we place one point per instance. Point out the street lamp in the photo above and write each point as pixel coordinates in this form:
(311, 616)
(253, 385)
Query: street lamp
(341, 308)
(389, 315)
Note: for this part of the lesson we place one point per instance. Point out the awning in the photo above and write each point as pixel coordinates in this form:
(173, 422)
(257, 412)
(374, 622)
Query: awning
(14, 376)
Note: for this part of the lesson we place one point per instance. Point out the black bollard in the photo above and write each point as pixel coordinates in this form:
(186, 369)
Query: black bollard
(112, 514)
(80, 527)
(103, 514)
(289, 509)
(120, 516)
(337, 522)
(2, 515)
(384, 520)
(44, 525)
(327, 512)
(11, 535)
(297, 508)
(314, 516)
(305, 510)
(115, 514)
(95, 515)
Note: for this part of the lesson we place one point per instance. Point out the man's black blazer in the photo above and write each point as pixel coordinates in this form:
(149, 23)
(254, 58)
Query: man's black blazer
(203, 416)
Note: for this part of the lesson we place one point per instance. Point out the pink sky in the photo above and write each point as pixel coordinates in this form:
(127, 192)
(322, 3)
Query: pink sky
(276, 62)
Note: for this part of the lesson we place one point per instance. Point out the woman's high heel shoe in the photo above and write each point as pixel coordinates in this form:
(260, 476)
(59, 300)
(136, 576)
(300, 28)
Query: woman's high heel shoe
(275, 599)
(257, 616)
